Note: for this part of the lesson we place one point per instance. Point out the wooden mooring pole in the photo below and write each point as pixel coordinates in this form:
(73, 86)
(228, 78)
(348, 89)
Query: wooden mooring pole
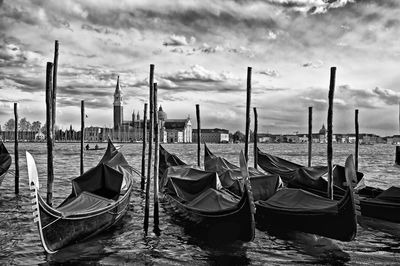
(198, 134)
(151, 128)
(156, 159)
(397, 160)
(255, 137)
(309, 135)
(357, 140)
(49, 133)
(82, 133)
(16, 154)
(143, 180)
(54, 92)
(330, 127)
(248, 103)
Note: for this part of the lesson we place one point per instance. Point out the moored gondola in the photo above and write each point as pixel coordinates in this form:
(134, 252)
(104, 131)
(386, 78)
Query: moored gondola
(373, 202)
(197, 197)
(5, 161)
(301, 210)
(99, 199)
(263, 185)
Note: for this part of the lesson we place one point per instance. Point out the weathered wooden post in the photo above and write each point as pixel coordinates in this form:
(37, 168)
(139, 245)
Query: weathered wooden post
(82, 132)
(397, 160)
(156, 159)
(151, 128)
(49, 133)
(330, 115)
(255, 137)
(357, 140)
(143, 180)
(309, 135)
(16, 154)
(54, 93)
(248, 103)
(198, 134)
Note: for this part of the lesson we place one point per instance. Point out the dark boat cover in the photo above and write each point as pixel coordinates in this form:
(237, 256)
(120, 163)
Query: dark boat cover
(198, 190)
(391, 194)
(100, 185)
(298, 200)
(166, 160)
(5, 159)
(84, 203)
(263, 186)
(299, 176)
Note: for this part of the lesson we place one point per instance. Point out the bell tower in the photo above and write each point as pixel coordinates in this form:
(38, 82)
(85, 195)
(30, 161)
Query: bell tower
(118, 106)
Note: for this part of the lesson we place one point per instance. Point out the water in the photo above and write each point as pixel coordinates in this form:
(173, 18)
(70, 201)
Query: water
(127, 243)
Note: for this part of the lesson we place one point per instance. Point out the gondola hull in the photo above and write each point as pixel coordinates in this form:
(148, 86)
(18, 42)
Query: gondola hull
(221, 227)
(5, 162)
(57, 231)
(341, 225)
(99, 199)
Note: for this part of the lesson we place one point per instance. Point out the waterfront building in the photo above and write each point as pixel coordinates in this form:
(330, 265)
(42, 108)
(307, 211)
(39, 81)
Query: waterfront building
(215, 135)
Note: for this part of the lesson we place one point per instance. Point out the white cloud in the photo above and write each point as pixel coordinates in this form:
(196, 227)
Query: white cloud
(179, 40)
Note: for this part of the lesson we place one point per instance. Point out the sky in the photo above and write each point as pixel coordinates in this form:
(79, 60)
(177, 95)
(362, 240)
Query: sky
(201, 50)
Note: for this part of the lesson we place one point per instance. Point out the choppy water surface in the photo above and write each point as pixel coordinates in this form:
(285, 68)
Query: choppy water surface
(127, 243)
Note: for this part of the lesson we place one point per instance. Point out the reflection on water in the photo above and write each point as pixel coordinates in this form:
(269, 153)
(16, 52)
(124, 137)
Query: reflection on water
(127, 242)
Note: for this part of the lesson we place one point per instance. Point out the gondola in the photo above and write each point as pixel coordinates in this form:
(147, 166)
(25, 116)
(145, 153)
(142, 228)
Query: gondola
(263, 186)
(301, 210)
(373, 202)
(5, 161)
(197, 197)
(99, 199)
(312, 179)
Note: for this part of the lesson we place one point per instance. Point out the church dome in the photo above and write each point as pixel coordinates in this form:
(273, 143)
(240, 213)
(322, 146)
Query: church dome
(161, 114)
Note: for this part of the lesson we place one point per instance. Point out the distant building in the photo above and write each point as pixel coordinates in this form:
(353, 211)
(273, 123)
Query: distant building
(171, 130)
(215, 135)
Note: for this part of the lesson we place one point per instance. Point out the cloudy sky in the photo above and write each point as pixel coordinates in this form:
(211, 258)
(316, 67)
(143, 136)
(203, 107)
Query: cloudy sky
(201, 50)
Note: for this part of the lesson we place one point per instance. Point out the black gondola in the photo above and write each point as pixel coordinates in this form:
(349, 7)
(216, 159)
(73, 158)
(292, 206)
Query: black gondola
(263, 186)
(301, 210)
(198, 197)
(99, 199)
(5, 161)
(373, 202)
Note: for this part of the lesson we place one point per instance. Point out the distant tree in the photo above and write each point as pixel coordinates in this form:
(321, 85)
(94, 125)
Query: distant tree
(24, 125)
(238, 136)
(44, 129)
(36, 125)
(9, 125)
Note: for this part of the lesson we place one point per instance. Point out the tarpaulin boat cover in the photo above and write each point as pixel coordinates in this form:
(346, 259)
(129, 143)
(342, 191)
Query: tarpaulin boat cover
(108, 181)
(5, 159)
(296, 175)
(391, 194)
(198, 190)
(214, 200)
(298, 200)
(84, 203)
(101, 180)
(187, 183)
(263, 186)
(166, 160)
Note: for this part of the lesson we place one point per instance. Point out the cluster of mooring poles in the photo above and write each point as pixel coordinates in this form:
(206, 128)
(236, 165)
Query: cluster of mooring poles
(153, 136)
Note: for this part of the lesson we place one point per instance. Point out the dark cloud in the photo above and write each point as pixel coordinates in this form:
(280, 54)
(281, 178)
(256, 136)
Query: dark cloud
(101, 30)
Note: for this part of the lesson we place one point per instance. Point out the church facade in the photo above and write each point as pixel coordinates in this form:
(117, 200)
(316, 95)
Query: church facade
(171, 130)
